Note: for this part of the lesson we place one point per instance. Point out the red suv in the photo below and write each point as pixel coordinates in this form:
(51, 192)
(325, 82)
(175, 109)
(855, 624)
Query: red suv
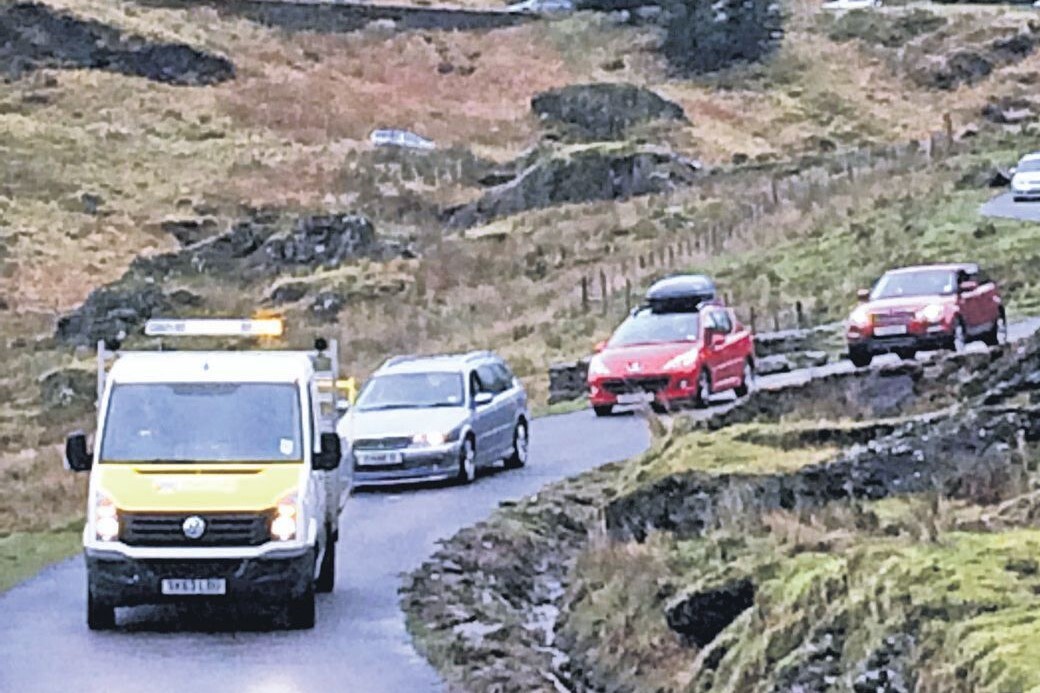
(925, 307)
(672, 351)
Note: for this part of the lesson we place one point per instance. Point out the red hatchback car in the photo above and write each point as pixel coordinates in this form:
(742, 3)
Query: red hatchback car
(665, 357)
(926, 307)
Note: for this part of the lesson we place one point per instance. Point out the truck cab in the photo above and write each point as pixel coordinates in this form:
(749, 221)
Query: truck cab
(214, 475)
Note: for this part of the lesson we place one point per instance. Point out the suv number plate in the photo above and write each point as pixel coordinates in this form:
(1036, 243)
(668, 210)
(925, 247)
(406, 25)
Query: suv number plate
(378, 458)
(182, 586)
(889, 330)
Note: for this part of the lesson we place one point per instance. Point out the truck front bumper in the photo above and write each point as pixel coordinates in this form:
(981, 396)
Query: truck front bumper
(116, 579)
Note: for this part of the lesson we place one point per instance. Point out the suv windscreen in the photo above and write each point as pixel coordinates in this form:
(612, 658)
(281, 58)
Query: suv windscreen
(656, 328)
(412, 391)
(922, 283)
(203, 422)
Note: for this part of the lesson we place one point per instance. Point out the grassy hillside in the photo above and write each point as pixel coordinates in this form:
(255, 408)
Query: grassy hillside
(96, 162)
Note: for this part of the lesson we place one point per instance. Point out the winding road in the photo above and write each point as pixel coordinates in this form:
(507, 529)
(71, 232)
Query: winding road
(1004, 206)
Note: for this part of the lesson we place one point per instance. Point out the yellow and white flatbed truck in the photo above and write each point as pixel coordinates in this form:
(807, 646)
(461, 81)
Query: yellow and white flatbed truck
(214, 475)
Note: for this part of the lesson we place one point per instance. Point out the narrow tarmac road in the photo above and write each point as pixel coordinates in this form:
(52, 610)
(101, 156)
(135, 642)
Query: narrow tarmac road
(1004, 206)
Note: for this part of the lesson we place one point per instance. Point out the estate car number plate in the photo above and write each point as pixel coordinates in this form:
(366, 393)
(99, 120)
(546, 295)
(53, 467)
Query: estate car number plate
(889, 330)
(202, 586)
(635, 398)
(379, 458)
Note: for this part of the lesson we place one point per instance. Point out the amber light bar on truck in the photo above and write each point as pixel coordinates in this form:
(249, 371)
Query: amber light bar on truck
(215, 327)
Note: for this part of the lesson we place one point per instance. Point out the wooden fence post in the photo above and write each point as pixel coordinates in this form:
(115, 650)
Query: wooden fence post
(799, 314)
(751, 319)
(628, 295)
(603, 289)
(584, 294)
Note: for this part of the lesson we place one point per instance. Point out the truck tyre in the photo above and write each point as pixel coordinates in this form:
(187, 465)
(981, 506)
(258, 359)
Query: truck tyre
(521, 440)
(327, 573)
(301, 610)
(860, 357)
(603, 409)
(100, 616)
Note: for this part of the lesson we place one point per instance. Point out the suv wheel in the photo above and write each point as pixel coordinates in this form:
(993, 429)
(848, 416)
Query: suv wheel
(603, 409)
(327, 573)
(301, 610)
(747, 382)
(100, 616)
(860, 357)
(703, 388)
(999, 334)
(521, 440)
(467, 461)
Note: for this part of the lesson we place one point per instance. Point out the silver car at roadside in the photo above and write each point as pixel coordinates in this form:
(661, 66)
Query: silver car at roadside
(431, 418)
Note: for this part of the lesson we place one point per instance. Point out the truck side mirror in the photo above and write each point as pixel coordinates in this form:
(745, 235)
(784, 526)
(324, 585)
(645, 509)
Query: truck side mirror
(328, 457)
(863, 295)
(77, 457)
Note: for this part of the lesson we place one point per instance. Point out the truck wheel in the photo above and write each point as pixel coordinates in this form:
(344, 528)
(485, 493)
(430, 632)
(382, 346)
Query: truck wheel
(301, 610)
(100, 616)
(603, 409)
(327, 573)
(860, 357)
(747, 382)
(521, 440)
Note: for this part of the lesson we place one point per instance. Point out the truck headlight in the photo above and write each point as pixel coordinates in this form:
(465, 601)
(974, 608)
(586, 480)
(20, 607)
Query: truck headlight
(685, 360)
(933, 312)
(286, 514)
(106, 518)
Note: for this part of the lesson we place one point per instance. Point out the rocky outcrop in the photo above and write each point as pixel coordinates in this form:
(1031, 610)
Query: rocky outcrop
(261, 247)
(1009, 111)
(582, 174)
(68, 388)
(972, 65)
(568, 381)
(597, 112)
(35, 36)
(702, 615)
(703, 37)
(884, 29)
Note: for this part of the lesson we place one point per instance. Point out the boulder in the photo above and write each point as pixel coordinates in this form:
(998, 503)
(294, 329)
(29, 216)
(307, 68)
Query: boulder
(568, 381)
(112, 312)
(319, 241)
(188, 232)
(580, 175)
(603, 111)
(1008, 111)
(68, 388)
(701, 616)
(772, 365)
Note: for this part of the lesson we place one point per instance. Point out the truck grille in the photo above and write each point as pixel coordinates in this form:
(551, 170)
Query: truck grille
(649, 384)
(224, 529)
(398, 443)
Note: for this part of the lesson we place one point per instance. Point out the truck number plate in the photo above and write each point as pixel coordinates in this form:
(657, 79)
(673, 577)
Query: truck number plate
(184, 586)
(635, 398)
(379, 458)
(889, 330)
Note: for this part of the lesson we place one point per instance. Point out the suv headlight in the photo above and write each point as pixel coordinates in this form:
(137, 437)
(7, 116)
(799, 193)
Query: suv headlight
(106, 518)
(687, 359)
(598, 367)
(933, 312)
(286, 518)
(860, 317)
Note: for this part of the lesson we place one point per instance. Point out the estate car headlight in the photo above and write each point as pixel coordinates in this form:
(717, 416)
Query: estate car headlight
(286, 518)
(106, 518)
(598, 367)
(430, 438)
(933, 312)
(685, 360)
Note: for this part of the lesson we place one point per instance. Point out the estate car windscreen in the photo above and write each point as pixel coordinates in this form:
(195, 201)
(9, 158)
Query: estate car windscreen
(656, 328)
(412, 391)
(203, 422)
(1029, 166)
(921, 283)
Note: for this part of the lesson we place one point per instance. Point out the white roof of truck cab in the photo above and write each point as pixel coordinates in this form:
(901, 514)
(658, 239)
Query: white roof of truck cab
(212, 367)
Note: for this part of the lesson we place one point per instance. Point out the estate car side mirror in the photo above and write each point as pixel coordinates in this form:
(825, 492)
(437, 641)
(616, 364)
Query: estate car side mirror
(77, 457)
(863, 295)
(969, 285)
(600, 346)
(482, 398)
(328, 457)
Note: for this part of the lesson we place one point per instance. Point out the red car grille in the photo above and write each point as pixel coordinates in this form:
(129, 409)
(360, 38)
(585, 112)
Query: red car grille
(902, 317)
(646, 384)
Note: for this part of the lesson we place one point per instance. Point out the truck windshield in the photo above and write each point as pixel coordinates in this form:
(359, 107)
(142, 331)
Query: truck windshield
(412, 391)
(203, 422)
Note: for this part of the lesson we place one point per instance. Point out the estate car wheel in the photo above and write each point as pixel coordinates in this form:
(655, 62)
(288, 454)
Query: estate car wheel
(327, 574)
(301, 610)
(860, 358)
(100, 616)
(703, 388)
(999, 333)
(747, 382)
(521, 440)
(467, 462)
(603, 409)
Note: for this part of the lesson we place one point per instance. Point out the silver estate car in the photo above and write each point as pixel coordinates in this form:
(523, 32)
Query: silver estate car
(427, 418)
